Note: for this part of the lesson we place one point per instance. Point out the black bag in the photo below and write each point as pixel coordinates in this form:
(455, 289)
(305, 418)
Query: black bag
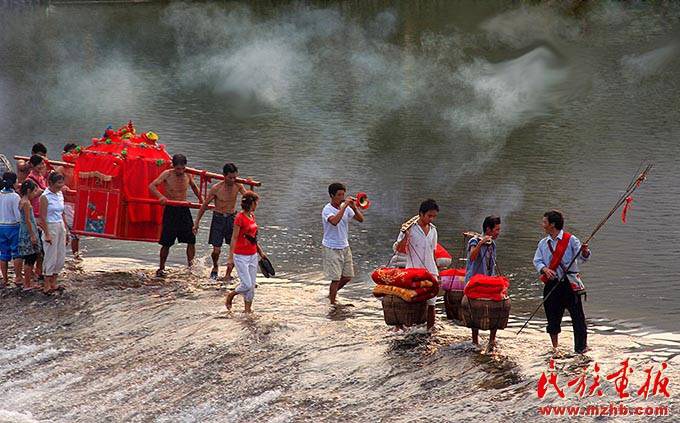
(266, 267)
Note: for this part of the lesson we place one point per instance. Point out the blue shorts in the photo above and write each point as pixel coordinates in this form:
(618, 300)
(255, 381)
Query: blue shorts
(9, 242)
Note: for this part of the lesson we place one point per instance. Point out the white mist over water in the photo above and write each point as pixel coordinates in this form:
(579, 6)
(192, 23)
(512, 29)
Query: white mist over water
(525, 25)
(637, 67)
(341, 79)
(510, 94)
(502, 200)
(112, 87)
(311, 63)
(279, 62)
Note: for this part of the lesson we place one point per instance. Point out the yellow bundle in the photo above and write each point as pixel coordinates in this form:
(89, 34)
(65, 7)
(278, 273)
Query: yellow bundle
(403, 293)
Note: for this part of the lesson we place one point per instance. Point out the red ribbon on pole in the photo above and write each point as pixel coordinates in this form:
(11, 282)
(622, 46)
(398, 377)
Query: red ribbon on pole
(629, 200)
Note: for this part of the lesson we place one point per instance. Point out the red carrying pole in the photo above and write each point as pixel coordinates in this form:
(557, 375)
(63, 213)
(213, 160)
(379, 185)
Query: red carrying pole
(156, 202)
(202, 173)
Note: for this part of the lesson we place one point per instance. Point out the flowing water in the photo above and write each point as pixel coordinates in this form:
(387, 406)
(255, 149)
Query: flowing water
(488, 107)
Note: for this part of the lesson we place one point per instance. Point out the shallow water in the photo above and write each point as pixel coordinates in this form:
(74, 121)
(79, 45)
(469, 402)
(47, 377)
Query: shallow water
(488, 107)
(127, 347)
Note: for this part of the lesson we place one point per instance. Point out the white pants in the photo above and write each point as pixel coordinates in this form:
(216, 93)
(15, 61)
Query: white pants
(246, 266)
(55, 253)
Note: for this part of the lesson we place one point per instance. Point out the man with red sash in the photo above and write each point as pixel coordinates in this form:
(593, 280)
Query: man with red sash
(554, 253)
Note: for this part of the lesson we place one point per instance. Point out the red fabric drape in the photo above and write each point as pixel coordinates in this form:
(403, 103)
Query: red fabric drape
(487, 287)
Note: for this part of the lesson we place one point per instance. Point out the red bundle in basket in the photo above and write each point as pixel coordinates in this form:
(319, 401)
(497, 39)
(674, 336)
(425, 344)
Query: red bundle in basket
(414, 285)
(403, 278)
(487, 287)
(452, 279)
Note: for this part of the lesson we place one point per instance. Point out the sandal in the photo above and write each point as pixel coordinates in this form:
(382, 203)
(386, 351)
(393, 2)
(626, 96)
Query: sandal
(213, 275)
(160, 273)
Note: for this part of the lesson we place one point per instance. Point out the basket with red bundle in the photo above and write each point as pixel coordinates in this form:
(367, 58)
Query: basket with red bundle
(453, 283)
(485, 304)
(404, 293)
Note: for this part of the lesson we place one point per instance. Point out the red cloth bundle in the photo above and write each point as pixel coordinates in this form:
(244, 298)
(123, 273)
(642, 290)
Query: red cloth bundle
(440, 252)
(487, 287)
(416, 284)
(452, 279)
(401, 277)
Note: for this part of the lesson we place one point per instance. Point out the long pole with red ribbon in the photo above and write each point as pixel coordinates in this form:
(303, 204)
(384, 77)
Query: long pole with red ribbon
(625, 198)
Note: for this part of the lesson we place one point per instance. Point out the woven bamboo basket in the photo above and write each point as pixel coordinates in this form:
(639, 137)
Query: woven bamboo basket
(452, 300)
(485, 314)
(400, 312)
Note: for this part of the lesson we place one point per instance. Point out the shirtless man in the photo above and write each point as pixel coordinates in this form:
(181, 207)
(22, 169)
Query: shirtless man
(24, 166)
(224, 193)
(177, 221)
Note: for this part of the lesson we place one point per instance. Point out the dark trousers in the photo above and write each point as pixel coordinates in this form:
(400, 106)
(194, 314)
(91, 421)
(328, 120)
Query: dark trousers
(564, 298)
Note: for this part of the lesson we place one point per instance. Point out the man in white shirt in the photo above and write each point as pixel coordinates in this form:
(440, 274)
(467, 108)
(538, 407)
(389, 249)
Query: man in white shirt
(337, 256)
(419, 243)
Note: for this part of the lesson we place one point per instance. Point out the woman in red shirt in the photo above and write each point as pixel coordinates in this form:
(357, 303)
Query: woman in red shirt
(244, 251)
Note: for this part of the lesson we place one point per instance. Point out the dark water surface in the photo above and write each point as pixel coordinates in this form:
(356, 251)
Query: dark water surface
(488, 107)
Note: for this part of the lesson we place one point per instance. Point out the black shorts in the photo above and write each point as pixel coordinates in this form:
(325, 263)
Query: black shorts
(221, 228)
(30, 259)
(177, 224)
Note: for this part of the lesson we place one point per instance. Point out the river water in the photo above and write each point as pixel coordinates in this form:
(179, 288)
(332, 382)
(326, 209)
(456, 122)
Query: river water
(488, 107)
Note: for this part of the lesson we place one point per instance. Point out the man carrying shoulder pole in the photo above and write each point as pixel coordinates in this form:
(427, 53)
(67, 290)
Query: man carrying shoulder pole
(225, 194)
(481, 259)
(177, 221)
(419, 243)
